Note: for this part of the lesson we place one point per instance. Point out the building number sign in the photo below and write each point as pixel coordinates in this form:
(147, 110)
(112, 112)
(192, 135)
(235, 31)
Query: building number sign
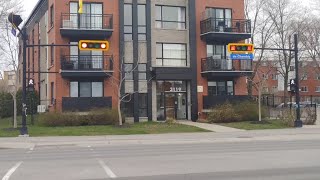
(175, 89)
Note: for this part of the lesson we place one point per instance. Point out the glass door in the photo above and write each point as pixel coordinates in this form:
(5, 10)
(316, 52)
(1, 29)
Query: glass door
(170, 105)
(181, 106)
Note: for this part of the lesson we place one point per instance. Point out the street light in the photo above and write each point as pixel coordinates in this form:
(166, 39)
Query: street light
(16, 20)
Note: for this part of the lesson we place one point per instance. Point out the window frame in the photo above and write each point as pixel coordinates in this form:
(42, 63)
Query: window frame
(166, 21)
(304, 89)
(225, 88)
(130, 26)
(142, 26)
(91, 90)
(162, 58)
(144, 107)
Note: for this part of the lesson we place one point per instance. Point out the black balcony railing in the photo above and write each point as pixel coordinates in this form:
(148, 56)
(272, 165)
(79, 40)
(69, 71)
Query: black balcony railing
(211, 64)
(87, 63)
(225, 25)
(86, 21)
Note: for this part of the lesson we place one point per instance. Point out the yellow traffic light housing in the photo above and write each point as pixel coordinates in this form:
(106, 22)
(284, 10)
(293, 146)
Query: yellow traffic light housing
(240, 48)
(92, 45)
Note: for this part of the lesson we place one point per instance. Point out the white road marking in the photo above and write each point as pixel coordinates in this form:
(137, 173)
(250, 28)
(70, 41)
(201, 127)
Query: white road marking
(11, 171)
(107, 169)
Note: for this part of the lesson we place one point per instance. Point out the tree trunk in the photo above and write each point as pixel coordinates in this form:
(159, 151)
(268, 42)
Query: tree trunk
(260, 119)
(15, 125)
(250, 87)
(285, 92)
(119, 113)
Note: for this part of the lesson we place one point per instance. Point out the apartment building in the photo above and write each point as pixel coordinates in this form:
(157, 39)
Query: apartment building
(171, 55)
(8, 81)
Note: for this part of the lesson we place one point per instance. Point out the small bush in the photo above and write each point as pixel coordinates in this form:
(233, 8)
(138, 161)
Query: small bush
(224, 113)
(242, 111)
(249, 111)
(97, 117)
(288, 117)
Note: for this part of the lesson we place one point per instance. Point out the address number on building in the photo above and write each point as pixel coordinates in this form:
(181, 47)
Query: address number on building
(175, 89)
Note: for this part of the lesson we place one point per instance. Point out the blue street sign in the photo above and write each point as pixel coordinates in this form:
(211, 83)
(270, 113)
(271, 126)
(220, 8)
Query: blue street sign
(241, 56)
(14, 32)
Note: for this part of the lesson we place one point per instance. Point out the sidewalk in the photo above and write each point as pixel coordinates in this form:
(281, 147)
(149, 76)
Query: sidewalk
(211, 127)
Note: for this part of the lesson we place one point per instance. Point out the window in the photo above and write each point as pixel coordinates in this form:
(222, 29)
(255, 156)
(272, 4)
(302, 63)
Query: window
(216, 88)
(217, 51)
(52, 55)
(127, 22)
(170, 17)
(274, 89)
(86, 89)
(318, 89)
(142, 68)
(172, 55)
(51, 16)
(304, 76)
(304, 89)
(142, 23)
(52, 93)
(10, 77)
(143, 105)
(128, 70)
(222, 18)
(265, 76)
(127, 105)
(317, 77)
(274, 77)
(265, 90)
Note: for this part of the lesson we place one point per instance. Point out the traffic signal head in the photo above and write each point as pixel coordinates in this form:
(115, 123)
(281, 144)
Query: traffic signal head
(241, 48)
(90, 45)
(15, 20)
(293, 85)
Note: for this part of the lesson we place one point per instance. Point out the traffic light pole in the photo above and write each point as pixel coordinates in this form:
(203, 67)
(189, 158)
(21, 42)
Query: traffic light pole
(298, 123)
(24, 129)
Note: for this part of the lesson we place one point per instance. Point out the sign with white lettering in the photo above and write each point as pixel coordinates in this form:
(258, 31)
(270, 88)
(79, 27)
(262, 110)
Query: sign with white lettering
(241, 56)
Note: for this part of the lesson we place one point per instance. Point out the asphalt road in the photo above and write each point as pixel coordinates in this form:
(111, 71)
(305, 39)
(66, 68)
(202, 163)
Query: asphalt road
(274, 160)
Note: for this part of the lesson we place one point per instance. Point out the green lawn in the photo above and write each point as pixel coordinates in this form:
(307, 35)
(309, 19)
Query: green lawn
(249, 125)
(139, 128)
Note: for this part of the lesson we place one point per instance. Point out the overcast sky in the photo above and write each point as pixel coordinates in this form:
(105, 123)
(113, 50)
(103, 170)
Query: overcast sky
(28, 6)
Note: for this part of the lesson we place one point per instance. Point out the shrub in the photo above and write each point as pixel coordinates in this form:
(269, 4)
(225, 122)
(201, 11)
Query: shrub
(249, 111)
(288, 117)
(224, 113)
(97, 117)
(242, 111)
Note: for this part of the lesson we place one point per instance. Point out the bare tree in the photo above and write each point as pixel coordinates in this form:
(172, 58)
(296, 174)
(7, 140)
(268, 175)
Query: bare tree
(283, 13)
(9, 49)
(262, 31)
(118, 84)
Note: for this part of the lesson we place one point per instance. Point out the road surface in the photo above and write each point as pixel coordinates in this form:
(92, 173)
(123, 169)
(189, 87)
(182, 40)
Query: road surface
(253, 160)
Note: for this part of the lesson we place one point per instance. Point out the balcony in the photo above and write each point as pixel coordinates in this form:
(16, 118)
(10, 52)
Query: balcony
(85, 103)
(93, 26)
(225, 30)
(86, 66)
(217, 67)
(212, 101)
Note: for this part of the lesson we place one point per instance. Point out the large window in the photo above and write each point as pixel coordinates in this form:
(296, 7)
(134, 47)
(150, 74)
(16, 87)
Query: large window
(216, 88)
(222, 17)
(91, 17)
(142, 22)
(218, 51)
(128, 22)
(170, 17)
(128, 70)
(142, 68)
(172, 55)
(143, 105)
(86, 89)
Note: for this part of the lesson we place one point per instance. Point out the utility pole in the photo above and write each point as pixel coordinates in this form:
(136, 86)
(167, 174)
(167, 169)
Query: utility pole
(298, 123)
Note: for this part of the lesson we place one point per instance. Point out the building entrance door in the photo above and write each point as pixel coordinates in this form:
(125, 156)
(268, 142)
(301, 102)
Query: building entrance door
(176, 106)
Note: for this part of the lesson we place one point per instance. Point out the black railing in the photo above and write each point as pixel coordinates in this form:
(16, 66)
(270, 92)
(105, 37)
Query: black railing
(225, 25)
(224, 64)
(86, 21)
(85, 103)
(87, 63)
(212, 101)
(213, 64)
